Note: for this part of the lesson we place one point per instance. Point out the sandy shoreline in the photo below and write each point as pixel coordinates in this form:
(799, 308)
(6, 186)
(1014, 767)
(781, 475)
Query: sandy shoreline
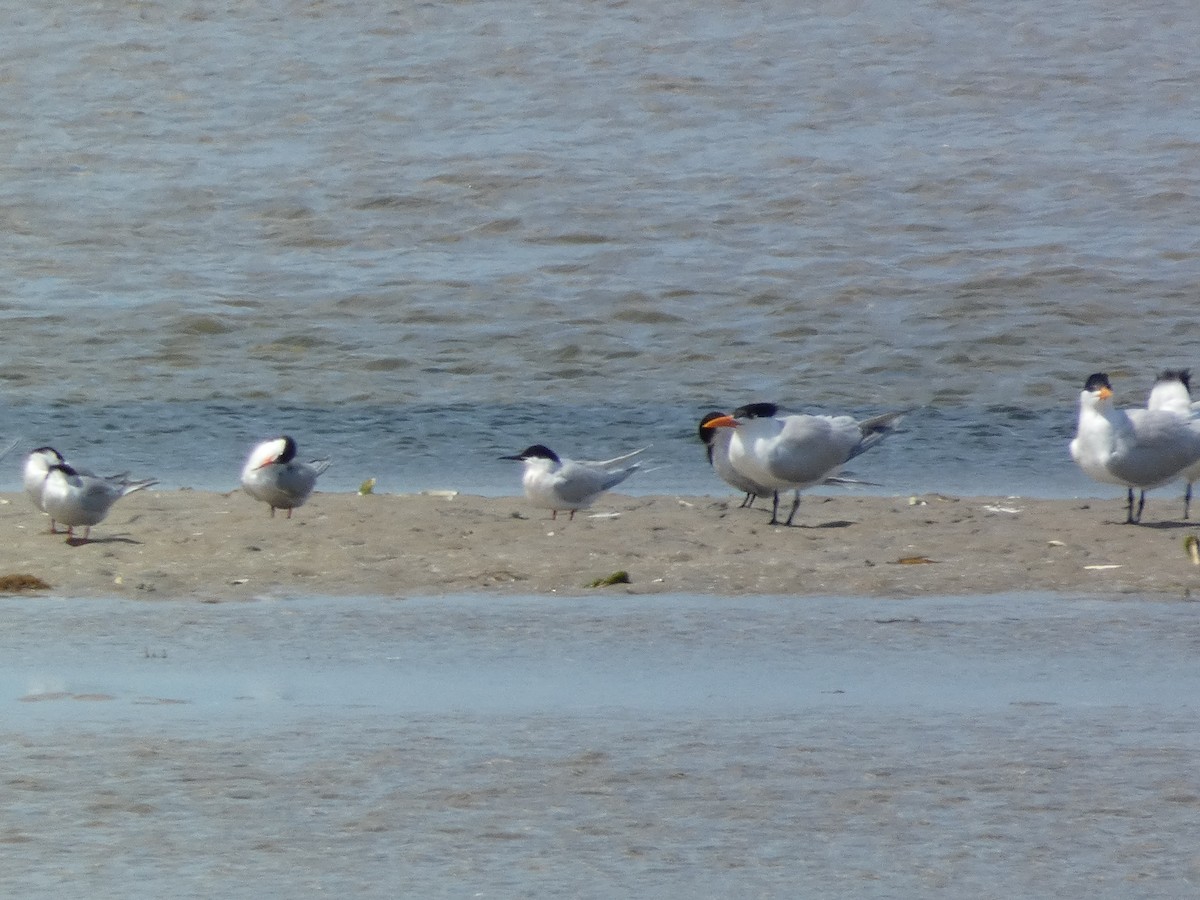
(202, 545)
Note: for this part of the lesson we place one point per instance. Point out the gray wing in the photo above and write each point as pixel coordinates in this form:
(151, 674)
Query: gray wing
(1158, 446)
(97, 496)
(576, 482)
(812, 447)
(297, 479)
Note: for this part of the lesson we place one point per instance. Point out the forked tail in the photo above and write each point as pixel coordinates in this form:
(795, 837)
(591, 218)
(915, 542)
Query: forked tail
(877, 428)
(128, 487)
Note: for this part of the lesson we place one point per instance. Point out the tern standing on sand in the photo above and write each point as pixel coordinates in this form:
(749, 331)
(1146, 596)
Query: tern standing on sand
(273, 475)
(75, 498)
(1172, 391)
(553, 482)
(1136, 448)
(793, 452)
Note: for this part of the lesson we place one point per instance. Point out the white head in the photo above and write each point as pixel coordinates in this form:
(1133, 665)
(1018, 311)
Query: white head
(1172, 392)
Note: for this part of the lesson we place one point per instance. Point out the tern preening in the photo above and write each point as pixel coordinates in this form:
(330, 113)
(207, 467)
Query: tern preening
(1172, 391)
(76, 499)
(1137, 448)
(554, 482)
(273, 475)
(792, 452)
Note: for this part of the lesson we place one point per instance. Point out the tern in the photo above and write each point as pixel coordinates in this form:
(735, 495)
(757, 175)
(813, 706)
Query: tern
(1137, 448)
(273, 475)
(553, 482)
(76, 498)
(1172, 391)
(793, 452)
(716, 444)
(37, 467)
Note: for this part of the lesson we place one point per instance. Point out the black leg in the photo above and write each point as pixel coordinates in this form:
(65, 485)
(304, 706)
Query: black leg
(1129, 507)
(1187, 501)
(774, 509)
(795, 506)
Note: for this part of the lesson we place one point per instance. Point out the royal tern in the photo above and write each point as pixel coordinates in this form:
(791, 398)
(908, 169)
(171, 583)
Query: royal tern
(1137, 448)
(1172, 392)
(716, 444)
(553, 482)
(793, 452)
(75, 498)
(273, 475)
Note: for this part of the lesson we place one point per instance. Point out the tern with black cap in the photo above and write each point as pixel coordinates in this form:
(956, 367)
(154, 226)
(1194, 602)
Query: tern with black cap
(1136, 448)
(557, 483)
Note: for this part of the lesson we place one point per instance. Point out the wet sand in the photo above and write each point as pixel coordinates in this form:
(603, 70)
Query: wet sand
(213, 546)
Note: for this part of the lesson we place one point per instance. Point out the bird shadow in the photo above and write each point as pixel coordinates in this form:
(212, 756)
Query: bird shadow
(836, 523)
(115, 539)
(1161, 526)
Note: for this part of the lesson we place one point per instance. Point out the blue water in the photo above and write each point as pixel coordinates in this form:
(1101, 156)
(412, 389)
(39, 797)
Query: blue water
(413, 448)
(419, 236)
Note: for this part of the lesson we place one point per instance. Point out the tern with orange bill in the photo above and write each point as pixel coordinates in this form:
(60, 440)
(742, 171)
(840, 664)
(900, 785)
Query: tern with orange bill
(1136, 448)
(782, 451)
(716, 444)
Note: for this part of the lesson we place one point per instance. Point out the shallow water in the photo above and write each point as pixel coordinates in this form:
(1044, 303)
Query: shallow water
(417, 235)
(408, 449)
(603, 746)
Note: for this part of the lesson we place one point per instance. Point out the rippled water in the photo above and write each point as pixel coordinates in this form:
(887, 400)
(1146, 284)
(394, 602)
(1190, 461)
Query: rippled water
(1012, 746)
(590, 222)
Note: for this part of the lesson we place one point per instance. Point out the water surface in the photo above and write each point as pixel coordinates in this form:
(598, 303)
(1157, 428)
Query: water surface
(418, 234)
(1022, 745)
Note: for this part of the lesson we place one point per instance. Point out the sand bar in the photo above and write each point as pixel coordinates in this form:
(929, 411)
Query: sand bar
(193, 544)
